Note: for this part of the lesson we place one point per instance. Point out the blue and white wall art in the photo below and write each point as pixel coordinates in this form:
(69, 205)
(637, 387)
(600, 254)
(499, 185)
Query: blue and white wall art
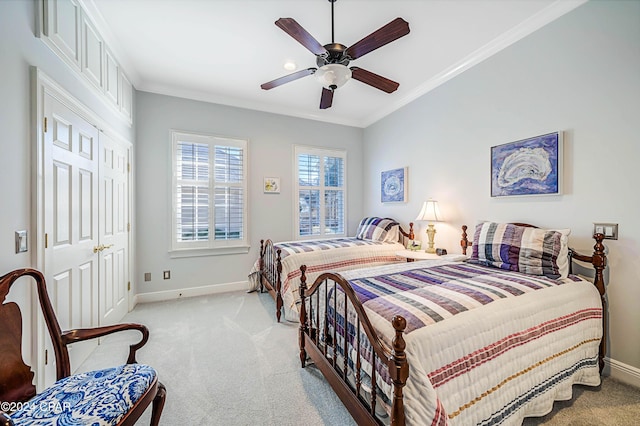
(393, 186)
(527, 167)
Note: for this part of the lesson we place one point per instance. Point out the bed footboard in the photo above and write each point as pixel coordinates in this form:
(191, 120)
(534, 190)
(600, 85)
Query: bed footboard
(271, 273)
(336, 334)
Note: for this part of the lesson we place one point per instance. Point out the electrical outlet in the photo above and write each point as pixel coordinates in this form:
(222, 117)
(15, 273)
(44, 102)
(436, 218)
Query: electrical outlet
(609, 230)
(147, 276)
(166, 275)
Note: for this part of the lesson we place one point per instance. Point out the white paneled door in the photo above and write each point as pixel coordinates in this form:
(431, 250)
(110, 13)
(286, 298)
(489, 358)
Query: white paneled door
(70, 223)
(85, 197)
(113, 228)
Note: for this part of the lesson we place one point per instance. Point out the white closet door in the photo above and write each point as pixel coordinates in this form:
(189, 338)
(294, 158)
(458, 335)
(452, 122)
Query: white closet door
(113, 228)
(70, 174)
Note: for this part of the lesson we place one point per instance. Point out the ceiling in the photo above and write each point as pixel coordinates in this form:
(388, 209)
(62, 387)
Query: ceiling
(220, 51)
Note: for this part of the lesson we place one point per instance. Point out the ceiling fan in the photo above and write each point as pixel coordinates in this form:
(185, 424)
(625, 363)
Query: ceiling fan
(333, 58)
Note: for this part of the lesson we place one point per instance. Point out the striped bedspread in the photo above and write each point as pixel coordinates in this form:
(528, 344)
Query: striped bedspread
(335, 254)
(485, 346)
(293, 247)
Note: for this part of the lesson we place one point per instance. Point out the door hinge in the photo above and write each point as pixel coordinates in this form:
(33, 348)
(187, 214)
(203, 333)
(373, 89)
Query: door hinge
(45, 125)
(46, 240)
(128, 285)
(128, 227)
(46, 357)
(128, 167)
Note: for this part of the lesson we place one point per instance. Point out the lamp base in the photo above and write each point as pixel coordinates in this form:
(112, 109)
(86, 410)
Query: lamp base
(431, 233)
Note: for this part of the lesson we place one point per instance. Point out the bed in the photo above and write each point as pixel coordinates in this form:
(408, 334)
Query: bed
(277, 270)
(436, 342)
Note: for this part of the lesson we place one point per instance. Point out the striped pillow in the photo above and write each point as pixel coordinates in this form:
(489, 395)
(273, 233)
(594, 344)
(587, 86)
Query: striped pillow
(531, 251)
(378, 229)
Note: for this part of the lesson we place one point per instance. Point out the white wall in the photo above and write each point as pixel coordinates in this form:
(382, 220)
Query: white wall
(271, 138)
(580, 74)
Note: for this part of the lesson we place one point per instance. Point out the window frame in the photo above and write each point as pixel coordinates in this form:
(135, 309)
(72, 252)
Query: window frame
(211, 246)
(321, 152)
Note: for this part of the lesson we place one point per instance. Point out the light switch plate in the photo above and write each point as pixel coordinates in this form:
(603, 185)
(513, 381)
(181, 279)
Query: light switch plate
(21, 241)
(610, 230)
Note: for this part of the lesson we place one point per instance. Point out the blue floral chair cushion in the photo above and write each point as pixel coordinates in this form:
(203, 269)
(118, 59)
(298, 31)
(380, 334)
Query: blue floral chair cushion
(95, 398)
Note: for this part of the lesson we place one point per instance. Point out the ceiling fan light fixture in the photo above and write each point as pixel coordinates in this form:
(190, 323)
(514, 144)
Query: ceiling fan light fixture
(332, 59)
(333, 76)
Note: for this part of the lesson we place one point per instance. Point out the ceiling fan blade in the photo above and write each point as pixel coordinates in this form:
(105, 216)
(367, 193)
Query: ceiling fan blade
(374, 80)
(287, 78)
(390, 32)
(327, 98)
(295, 30)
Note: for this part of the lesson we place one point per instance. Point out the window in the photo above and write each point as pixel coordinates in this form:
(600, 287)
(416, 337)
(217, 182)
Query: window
(321, 189)
(209, 193)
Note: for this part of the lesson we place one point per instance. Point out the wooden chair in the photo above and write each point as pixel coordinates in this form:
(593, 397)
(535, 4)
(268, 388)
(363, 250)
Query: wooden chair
(114, 396)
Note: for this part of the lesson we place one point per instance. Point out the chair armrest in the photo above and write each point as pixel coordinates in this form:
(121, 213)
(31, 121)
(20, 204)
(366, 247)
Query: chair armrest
(80, 334)
(5, 420)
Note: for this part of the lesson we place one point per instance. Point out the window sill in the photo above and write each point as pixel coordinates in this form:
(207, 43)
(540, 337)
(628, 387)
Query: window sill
(200, 252)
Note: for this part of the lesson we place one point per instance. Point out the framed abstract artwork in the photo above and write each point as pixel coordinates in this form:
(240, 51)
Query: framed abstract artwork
(393, 186)
(530, 166)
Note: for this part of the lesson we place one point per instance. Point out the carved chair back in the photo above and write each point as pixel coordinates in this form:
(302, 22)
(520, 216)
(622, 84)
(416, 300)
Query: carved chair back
(16, 377)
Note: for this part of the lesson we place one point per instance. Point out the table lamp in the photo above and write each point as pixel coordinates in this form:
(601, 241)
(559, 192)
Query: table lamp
(430, 213)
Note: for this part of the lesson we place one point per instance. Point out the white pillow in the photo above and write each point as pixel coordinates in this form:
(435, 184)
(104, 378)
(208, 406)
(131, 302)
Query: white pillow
(563, 255)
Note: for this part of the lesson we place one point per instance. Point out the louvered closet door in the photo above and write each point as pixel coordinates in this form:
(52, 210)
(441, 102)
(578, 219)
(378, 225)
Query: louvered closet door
(70, 173)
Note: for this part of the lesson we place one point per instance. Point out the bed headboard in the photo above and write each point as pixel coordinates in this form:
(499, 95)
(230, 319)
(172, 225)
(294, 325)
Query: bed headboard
(409, 235)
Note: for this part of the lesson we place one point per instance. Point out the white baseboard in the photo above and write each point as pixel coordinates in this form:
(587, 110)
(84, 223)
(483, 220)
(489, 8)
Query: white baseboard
(161, 296)
(622, 372)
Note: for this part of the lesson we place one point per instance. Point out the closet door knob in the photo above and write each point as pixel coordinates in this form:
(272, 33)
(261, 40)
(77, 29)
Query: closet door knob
(101, 247)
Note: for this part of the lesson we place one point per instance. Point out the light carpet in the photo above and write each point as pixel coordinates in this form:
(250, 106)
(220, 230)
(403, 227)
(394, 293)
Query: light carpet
(226, 361)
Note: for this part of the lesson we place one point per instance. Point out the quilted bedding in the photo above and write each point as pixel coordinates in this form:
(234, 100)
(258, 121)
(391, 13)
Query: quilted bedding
(484, 346)
(336, 254)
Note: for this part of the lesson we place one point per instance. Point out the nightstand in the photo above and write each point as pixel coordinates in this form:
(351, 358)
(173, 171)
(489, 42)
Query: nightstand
(411, 255)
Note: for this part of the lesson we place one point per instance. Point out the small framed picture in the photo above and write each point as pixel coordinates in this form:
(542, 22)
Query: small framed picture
(414, 245)
(272, 185)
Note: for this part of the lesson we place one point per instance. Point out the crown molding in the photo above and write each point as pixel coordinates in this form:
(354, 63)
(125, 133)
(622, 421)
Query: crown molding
(530, 25)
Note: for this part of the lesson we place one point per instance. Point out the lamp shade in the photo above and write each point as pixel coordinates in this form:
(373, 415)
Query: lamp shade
(333, 76)
(430, 212)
